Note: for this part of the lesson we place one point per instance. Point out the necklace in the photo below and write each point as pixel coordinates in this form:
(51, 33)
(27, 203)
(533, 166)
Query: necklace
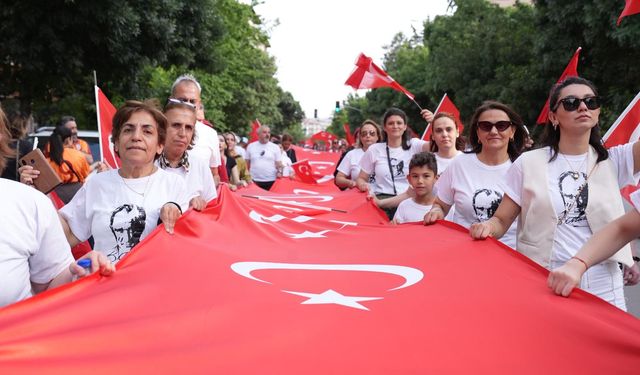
(144, 192)
(575, 172)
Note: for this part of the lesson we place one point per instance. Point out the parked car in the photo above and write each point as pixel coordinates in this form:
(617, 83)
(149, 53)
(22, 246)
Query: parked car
(40, 138)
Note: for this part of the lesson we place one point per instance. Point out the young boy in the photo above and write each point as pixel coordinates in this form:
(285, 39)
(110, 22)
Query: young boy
(423, 172)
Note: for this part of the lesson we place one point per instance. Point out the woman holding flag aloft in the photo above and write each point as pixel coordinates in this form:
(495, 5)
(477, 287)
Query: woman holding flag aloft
(564, 192)
(390, 160)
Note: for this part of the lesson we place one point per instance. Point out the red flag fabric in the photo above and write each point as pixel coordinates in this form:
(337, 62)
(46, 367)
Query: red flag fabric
(570, 71)
(304, 172)
(631, 7)
(625, 129)
(367, 75)
(323, 163)
(105, 111)
(253, 136)
(324, 136)
(285, 292)
(445, 105)
(347, 131)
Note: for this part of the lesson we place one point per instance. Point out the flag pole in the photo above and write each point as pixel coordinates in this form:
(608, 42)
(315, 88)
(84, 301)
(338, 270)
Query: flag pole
(95, 89)
(416, 103)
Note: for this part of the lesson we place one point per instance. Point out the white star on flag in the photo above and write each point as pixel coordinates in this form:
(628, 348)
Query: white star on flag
(332, 297)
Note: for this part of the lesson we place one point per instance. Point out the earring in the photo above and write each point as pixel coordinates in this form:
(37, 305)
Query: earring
(555, 125)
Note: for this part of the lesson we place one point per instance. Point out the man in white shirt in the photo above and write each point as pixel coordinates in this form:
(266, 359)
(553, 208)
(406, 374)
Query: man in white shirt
(264, 159)
(187, 89)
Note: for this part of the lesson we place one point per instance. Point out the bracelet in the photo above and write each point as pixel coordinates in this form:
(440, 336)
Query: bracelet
(177, 205)
(586, 266)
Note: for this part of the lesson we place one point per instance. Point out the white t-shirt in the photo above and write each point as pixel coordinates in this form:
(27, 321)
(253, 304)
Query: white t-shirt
(198, 178)
(474, 188)
(375, 160)
(263, 158)
(444, 163)
(409, 211)
(563, 185)
(33, 246)
(350, 164)
(241, 151)
(287, 170)
(113, 210)
(206, 145)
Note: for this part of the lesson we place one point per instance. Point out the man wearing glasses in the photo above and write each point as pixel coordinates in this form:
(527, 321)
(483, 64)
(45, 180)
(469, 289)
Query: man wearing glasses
(187, 89)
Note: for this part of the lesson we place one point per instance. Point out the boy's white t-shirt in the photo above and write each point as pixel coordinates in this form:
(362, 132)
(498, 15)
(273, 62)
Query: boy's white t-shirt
(563, 184)
(475, 189)
(198, 178)
(109, 208)
(33, 246)
(409, 211)
(375, 161)
(263, 158)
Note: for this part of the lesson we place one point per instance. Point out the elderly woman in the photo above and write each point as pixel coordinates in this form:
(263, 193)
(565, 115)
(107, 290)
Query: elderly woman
(181, 120)
(566, 191)
(35, 255)
(472, 181)
(349, 168)
(121, 207)
(389, 161)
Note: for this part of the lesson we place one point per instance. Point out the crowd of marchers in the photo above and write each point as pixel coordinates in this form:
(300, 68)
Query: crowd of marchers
(557, 202)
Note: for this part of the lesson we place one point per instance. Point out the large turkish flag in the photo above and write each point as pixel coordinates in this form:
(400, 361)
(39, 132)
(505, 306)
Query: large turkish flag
(281, 292)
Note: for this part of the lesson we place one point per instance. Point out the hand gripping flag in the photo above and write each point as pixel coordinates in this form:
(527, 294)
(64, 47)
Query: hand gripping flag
(253, 136)
(570, 71)
(446, 105)
(368, 75)
(105, 112)
(304, 172)
(625, 129)
(288, 293)
(631, 7)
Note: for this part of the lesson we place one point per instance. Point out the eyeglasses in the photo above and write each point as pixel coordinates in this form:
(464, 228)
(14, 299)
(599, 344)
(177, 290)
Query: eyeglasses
(180, 101)
(185, 100)
(371, 133)
(571, 103)
(501, 126)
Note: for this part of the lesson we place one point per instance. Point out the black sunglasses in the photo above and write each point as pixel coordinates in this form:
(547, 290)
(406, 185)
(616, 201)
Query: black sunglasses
(501, 126)
(571, 103)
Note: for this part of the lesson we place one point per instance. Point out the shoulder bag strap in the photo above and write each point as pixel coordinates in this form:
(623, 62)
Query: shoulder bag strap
(391, 170)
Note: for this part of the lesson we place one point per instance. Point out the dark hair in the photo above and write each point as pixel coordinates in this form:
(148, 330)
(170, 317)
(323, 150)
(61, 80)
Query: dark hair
(5, 138)
(460, 142)
(130, 107)
(56, 143)
(174, 104)
(515, 147)
(424, 159)
(406, 136)
(64, 119)
(551, 134)
(368, 122)
(287, 137)
(17, 125)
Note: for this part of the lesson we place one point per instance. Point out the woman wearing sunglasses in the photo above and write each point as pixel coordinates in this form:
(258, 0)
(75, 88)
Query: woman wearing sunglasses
(349, 167)
(564, 192)
(389, 161)
(472, 181)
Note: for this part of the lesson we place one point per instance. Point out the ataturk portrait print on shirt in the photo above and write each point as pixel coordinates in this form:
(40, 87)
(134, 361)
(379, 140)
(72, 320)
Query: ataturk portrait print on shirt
(127, 224)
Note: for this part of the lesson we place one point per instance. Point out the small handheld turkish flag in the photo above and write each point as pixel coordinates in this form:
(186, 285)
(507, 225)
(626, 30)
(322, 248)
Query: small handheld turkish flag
(304, 172)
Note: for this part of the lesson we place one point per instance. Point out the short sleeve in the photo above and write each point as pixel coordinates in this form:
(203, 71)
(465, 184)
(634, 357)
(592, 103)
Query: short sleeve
(76, 214)
(635, 199)
(417, 145)
(345, 164)
(277, 154)
(367, 163)
(444, 186)
(622, 159)
(53, 254)
(512, 182)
